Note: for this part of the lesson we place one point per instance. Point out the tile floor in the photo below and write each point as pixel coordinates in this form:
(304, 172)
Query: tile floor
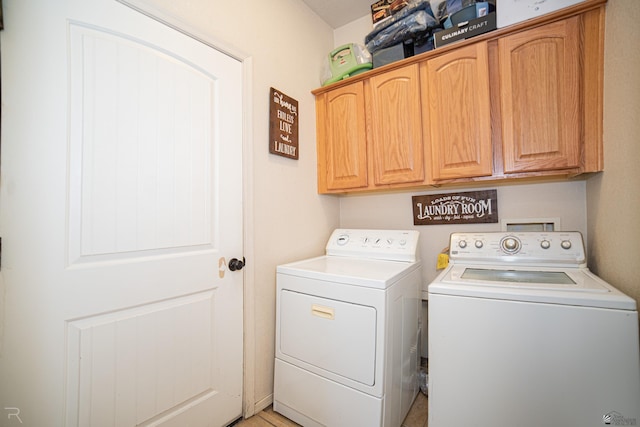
(417, 417)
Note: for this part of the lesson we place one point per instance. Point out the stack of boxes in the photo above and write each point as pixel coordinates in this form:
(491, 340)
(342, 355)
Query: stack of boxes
(403, 28)
(454, 20)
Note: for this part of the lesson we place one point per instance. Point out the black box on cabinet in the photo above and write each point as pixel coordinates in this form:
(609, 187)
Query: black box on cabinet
(465, 30)
(391, 54)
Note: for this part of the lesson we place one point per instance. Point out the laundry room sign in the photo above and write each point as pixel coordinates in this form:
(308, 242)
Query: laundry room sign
(283, 125)
(469, 207)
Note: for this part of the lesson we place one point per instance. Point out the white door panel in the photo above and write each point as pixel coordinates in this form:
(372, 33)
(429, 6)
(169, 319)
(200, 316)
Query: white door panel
(146, 148)
(138, 363)
(119, 209)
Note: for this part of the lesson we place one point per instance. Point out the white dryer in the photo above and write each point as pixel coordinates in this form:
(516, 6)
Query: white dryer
(347, 327)
(521, 333)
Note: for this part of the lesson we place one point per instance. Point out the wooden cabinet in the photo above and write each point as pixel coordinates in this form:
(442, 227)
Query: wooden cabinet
(370, 134)
(342, 139)
(519, 102)
(540, 97)
(396, 128)
(456, 112)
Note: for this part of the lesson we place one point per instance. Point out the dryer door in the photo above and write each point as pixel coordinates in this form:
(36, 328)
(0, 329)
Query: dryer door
(335, 336)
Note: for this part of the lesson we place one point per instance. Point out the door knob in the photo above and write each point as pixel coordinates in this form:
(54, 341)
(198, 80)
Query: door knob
(236, 264)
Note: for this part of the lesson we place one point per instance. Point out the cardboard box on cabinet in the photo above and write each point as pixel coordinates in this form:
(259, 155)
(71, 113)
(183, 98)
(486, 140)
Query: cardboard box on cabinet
(380, 10)
(513, 11)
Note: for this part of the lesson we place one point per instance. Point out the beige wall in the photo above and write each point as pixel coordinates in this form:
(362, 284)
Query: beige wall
(613, 198)
(285, 42)
(564, 200)
(353, 32)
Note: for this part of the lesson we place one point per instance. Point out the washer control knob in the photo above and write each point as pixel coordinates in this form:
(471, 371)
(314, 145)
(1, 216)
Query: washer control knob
(479, 244)
(462, 244)
(545, 244)
(566, 244)
(510, 245)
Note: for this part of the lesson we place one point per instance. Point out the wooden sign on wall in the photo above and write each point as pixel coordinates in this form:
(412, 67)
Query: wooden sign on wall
(283, 125)
(471, 207)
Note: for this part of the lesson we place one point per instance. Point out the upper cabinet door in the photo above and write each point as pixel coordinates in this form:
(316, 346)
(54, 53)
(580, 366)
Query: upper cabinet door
(342, 140)
(540, 97)
(396, 127)
(457, 114)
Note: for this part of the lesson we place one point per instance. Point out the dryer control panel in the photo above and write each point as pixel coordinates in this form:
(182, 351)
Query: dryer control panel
(545, 248)
(390, 245)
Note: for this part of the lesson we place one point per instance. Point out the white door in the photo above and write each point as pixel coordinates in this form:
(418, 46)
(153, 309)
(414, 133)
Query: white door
(120, 209)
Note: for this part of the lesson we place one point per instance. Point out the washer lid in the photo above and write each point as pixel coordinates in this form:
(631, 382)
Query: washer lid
(570, 286)
(369, 273)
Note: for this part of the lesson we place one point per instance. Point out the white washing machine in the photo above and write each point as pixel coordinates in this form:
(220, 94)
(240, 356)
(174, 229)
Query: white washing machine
(347, 327)
(521, 333)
